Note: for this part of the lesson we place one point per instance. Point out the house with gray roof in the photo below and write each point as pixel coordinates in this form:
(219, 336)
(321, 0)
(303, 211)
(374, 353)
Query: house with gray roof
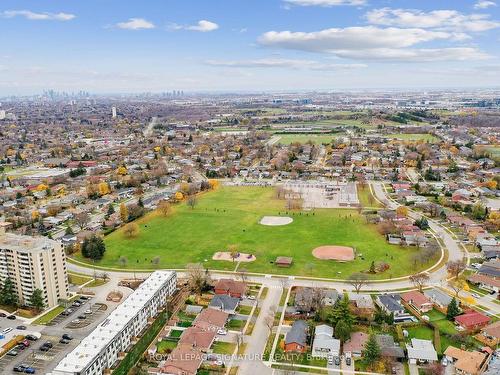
(224, 303)
(324, 344)
(439, 298)
(391, 304)
(296, 338)
(388, 347)
(421, 351)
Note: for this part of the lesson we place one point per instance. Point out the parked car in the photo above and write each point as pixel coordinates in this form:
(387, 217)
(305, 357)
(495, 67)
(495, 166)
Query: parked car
(22, 328)
(76, 321)
(81, 317)
(12, 353)
(63, 341)
(31, 337)
(7, 330)
(330, 360)
(84, 298)
(29, 370)
(25, 342)
(19, 347)
(251, 297)
(221, 332)
(88, 312)
(348, 361)
(337, 361)
(475, 295)
(11, 317)
(67, 337)
(20, 368)
(3, 315)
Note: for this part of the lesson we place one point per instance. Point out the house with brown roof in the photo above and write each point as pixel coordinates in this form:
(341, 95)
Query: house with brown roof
(211, 319)
(472, 320)
(356, 344)
(198, 338)
(465, 363)
(184, 360)
(417, 300)
(491, 333)
(231, 287)
(485, 282)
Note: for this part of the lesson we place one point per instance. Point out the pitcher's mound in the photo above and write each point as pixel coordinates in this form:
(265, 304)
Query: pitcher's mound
(340, 253)
(275, 220)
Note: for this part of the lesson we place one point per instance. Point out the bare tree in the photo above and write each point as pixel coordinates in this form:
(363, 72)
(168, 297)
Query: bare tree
(358, 280)
(198, 277)
(164, 207)
(269, 320)
(131, 230)
(104, 276)
(456, 267)
(123, 261)
(457, 285)
(156, 260)
(82, 219)
(243, 274)
(192, 201)
(419, 280)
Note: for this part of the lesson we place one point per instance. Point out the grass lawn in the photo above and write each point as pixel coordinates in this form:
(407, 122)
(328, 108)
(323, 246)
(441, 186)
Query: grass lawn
(223, 347)
(230, 215)
(414, 137)
(236, 324)
(175, 333)
(286, 139)
(165, 345)
(244, 310)
(366, 198)
(76, 279)
(52, 314)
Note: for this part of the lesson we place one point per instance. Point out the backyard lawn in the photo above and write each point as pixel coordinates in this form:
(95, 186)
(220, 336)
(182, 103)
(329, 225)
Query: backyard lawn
(230, 215)
(223, 347)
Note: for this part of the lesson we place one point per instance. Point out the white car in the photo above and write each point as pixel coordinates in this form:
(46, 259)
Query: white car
(88, 312)
(7, 330)
(221, 332)
(475, 295)
(251, 298)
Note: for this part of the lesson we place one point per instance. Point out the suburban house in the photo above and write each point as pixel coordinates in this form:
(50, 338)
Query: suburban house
(491, 333)
(330, 297)
(485, 282)
(417, 300)
(304, 297)
(440, 299)
(391, 304)
(198, 338)
(490, 268)
(296, 338)
(224, 302)
(356, 344)
(211, 319)
(388, 347)
(184, 360)
(472, 320)
(362, 301)
(324, 344)
(421, 351)
(231, 287)
(465, 362)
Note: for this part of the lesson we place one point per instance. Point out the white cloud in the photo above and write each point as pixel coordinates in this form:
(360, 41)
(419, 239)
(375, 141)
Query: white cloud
(283, 63)
(484, 4)
(45, 16)
(414, 54)
(325, 3)
(438, 19)
(351, 38)
(203, 26)
(135, 24)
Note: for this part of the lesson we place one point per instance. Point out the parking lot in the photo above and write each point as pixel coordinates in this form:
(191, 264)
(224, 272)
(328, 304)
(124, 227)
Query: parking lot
(84, 318)
(33, 356)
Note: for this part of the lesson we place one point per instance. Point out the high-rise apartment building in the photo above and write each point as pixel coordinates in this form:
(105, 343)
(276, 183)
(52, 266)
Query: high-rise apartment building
(33, 263)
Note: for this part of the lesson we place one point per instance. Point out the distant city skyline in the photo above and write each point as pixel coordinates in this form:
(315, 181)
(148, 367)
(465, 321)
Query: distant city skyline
(231, 45)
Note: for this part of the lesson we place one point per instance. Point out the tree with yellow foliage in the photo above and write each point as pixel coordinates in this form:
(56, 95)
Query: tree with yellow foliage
(214, 184)
(131, 230)
(164, 207)
(41, 187)
(123, 212)
(402, 210)
(491, 184)
(35, 215)
(122, 170)
(494, 219)
(103, 188)
(179, 196)
(184, 188)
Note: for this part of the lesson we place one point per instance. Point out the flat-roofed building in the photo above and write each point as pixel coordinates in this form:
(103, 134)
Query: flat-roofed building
(33, 263)
(101, 348)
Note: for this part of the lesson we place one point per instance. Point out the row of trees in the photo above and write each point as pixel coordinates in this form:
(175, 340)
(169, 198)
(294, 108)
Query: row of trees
(8, 296)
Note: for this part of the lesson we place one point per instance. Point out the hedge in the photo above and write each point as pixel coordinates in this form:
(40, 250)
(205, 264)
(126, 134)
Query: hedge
(138, 350)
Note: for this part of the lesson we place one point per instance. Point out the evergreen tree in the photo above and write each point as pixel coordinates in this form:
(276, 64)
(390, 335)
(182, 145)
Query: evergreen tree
(69, 230)
(342, 312)
(111, 210)
(36, 299)
(342, 331)
(453, 309)
(8, 294)
(371, 352)
(93, 248)
(372, 268)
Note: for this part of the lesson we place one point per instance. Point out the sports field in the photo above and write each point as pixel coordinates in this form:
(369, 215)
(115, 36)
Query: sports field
(286, 139)
(230, 215)
(414, 137)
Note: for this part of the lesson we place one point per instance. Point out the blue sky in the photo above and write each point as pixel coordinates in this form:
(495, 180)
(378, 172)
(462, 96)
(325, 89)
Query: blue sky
(246, 45)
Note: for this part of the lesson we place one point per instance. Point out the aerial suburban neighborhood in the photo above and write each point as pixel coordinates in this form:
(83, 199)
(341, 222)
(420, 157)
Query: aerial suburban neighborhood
(250, 187)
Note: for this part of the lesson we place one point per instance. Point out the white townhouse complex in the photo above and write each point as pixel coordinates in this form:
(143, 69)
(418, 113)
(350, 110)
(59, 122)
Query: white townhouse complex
(101, 348)
(33, 263)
